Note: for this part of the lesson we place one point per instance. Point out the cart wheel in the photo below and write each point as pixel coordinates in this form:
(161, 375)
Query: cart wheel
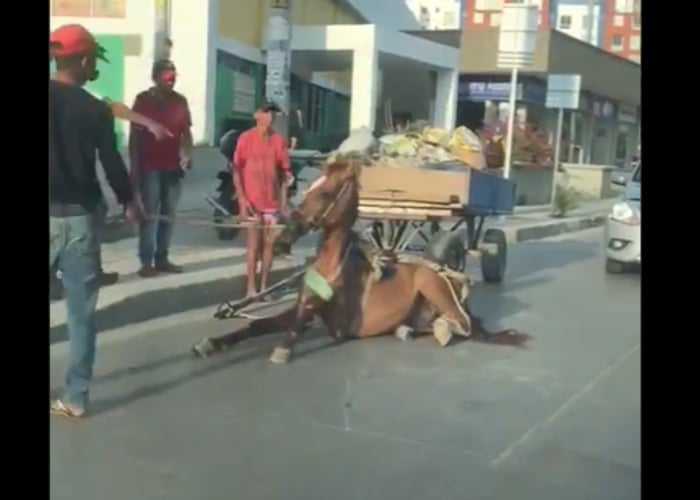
(494, 253)
(447, 249)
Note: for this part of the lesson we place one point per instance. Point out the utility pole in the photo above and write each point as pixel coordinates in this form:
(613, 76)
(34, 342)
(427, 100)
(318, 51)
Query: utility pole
(278, 45)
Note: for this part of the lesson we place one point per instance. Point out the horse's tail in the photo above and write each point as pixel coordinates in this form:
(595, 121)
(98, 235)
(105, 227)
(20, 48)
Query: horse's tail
(507, 337)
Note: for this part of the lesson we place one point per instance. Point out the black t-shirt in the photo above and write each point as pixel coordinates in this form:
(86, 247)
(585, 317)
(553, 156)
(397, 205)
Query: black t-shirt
(79, 126)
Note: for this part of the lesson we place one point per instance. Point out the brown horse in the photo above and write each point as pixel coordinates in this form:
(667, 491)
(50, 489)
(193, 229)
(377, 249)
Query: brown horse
(343, 289)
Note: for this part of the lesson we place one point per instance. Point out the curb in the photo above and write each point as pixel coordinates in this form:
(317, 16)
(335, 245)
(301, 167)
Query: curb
(553, 228)
(159, 303)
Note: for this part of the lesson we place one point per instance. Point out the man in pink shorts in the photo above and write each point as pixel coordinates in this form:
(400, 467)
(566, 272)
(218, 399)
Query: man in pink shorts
(260, 157)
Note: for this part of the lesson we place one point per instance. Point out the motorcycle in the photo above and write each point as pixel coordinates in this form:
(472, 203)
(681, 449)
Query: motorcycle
(225, 203)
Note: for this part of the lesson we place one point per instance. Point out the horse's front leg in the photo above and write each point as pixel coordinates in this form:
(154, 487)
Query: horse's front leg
(307, 307)
(256, 328)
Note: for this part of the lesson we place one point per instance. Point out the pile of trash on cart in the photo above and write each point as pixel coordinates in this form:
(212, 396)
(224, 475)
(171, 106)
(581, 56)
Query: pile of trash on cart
(418, 145)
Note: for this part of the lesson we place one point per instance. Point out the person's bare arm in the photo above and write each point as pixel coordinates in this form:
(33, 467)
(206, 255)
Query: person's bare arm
(283, 164)
(237, 165)
(123, 112)
(186, 142)
(113, 164)
(135, 149)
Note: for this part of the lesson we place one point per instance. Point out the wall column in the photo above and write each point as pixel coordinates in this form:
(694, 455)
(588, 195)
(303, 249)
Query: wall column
(445, 108)
(364, 91)
(193, 32)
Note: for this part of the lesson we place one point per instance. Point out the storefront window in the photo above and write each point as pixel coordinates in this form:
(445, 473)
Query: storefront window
(622, 145)
(88, 8)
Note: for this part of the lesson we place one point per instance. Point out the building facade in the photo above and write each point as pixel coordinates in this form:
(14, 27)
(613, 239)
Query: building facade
(605, 128)
(486, 14)
(622, 28)
(347, 60)
(616, 24)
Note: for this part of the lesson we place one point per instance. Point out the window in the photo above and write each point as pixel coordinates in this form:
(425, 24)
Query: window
(617, 42)
(618, 21)
(489, 5)
(88, 8)
(71, 8)
(313, 107)
(108, 8)
(624, 6)
(564, 22)
(635, 42)
(496, 19)
(637, 21)
(478, 18)
(584, 22)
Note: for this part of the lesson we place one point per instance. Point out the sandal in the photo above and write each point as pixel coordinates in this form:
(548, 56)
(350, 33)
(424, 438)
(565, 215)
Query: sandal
(62, 409)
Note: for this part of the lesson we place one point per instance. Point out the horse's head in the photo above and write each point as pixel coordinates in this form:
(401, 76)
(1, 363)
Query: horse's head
(331, 201)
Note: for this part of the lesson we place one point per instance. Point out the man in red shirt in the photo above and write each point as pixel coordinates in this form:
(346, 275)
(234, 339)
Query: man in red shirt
(260, 155)
(157, 167)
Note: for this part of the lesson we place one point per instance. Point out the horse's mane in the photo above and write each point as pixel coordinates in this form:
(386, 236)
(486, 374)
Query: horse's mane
(344, 168)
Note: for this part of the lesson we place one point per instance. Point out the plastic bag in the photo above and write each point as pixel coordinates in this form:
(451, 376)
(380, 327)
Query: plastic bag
(398, 145)
(437, 136)
(359, 141)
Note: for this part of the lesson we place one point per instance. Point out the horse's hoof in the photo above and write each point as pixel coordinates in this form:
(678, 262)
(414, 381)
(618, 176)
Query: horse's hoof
(404, 333)
(442, 332)
(204, 348)
(280, 355)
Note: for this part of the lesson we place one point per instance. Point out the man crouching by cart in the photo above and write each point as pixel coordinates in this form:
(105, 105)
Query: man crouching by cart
(260, 155)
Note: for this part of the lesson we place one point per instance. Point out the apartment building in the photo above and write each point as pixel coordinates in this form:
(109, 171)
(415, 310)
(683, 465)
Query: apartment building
(486, 14)
(615, 26)
(622, 28)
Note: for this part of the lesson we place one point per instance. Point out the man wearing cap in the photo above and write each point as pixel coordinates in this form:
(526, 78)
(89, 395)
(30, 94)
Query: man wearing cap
(79, 125)
(260, 155)
(157, 167)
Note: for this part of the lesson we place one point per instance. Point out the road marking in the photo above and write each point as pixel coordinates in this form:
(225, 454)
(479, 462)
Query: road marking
(605, 373)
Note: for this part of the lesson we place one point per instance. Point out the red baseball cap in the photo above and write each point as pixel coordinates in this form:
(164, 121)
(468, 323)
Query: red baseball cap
(74, 39)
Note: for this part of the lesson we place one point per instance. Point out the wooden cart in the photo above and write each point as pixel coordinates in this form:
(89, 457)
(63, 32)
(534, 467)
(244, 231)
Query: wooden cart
(406, 205)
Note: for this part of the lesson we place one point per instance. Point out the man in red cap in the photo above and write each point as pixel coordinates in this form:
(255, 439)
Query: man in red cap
(260, 155)
(79, 125)
(157, 167)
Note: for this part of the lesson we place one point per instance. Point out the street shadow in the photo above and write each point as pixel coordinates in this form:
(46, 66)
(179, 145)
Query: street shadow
(212, 366)
(247, 351)
(544, 255)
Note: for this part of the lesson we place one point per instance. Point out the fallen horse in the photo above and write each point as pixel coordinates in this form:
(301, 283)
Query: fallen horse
(353, 291)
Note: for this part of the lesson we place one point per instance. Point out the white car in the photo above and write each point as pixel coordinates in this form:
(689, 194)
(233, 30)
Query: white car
(623, 230)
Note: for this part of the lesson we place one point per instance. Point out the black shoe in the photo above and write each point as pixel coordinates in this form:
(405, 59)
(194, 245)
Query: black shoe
(107, 279)
(168, 267)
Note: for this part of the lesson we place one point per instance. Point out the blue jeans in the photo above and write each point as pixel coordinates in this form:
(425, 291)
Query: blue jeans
(160, 193)
(75, 251)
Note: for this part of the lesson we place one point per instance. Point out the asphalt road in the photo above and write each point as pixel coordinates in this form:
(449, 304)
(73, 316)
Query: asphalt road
(380, 419)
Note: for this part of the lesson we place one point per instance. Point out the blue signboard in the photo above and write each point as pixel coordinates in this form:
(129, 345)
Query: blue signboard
(472, 90)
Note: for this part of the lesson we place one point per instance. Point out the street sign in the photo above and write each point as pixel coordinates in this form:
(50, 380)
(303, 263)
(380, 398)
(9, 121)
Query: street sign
(563, 91)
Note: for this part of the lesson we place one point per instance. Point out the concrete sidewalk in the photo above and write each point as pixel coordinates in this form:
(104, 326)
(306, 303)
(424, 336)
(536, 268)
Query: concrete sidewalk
(215, 269)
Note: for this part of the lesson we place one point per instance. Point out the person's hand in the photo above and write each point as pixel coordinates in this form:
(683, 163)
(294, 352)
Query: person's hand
(243, 208)
(289, 180)
(133, 211)
(159, 131)
(185, 161)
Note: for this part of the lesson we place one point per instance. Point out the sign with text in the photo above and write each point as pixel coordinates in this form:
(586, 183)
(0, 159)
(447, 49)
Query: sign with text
(563, 91)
